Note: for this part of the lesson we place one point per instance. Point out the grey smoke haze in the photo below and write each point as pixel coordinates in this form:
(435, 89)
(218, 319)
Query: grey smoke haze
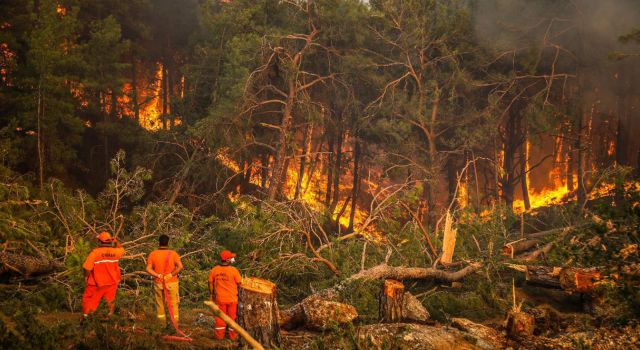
(589, 30)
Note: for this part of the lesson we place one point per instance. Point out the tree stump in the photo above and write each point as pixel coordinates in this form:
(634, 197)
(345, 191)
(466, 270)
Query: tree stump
(392, 301)
(520, 324)
(258, 311)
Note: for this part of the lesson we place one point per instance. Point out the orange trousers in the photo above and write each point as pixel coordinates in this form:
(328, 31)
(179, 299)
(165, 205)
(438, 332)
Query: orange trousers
(93, 294)
(230, 309)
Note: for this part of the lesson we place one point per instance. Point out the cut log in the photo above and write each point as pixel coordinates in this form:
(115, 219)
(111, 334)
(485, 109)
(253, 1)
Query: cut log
(514, 248)
(413, 310)
(321, 314)
(317, 314)
(258, 311)
(392, 336)
(520, 324)
(536, 254)
(543, 276)
(18, 265)
(485, 337)
(579, 280)
(392, 301)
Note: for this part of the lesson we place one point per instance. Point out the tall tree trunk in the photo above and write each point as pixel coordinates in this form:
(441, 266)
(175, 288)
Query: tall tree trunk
(580, 169)
(356, 181)
(40, 142)
(281, 152)
(264, 171)
(134, 91)
(171, 92)
(510, 146)
(452, 181)
(336, 173)
(570, 160)
(524, 169)
(303, 159)
(327, 199)
(165, 95)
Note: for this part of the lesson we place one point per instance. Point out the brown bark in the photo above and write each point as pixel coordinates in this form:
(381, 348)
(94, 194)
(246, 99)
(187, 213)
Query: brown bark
(524, 154)
(303, 159)
(336, 173)
(134, 91)
(356, 182)
(577, 280)
(543, 276)
(18, 265)
(317, 314)
(391, 301)
(330, 145)
(258, 311)
(514, 248)
(520, 324)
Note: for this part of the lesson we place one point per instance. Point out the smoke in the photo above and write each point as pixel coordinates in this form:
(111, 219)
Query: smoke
(588, 33)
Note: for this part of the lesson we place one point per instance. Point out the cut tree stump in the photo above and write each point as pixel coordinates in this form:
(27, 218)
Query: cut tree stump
(398, 305)
(520, 324)
(258, 311)
(392, 301)
(579, 280)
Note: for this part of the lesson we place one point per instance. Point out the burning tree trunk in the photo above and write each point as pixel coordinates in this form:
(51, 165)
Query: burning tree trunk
(356, 181)
(336, 174)
(524, 165)
(258, 311)
(308, 136)
(391, 301)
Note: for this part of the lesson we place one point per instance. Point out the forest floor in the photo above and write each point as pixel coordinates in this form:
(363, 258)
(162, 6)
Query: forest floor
(573, 329)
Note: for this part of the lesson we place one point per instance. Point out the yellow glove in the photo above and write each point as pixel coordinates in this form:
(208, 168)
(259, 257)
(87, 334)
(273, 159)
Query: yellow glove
(167, 276)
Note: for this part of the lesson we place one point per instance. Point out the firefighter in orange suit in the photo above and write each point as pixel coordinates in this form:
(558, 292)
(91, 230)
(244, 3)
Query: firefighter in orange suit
(102, 274)
(164, 265)
(224, 280)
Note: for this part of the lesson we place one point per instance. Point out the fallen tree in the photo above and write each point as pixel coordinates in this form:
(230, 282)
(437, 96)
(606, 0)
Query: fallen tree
(384, 271)
(18, 265)
(295, 315)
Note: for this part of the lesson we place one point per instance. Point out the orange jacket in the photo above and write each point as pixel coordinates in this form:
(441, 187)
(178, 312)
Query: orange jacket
(160, 264)
(225, 281)
(102, 263)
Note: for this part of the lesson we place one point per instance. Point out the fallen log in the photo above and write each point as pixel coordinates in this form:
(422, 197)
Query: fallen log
(517, 247)
(543, 276)
(14, 265)
(484, 337)
(411, 336)
(258, 311)
(579, 280)
(536, 254)
(317, 314)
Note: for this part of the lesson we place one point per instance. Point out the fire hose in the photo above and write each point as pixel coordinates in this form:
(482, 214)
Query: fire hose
(181, 336)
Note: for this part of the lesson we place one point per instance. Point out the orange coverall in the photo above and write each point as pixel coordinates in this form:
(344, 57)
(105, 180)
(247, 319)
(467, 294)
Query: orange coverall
(103, 278)
(225, 280)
